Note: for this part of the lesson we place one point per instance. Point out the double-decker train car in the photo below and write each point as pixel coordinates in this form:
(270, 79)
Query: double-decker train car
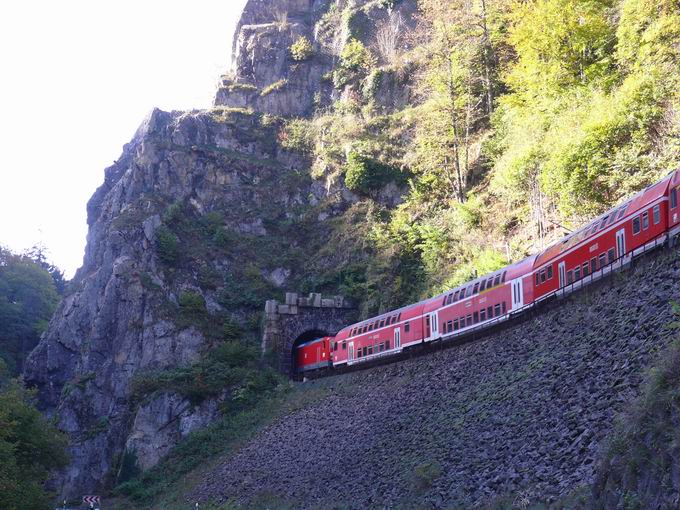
(609, 242)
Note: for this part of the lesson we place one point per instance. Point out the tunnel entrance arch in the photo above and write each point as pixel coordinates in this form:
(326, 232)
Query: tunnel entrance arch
(301, 318)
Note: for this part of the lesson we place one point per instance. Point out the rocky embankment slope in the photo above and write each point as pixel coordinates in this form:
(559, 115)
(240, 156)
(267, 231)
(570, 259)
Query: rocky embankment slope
(525, 411)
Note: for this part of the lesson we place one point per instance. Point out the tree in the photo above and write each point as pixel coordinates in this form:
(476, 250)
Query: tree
(28, 298)
(30, 448)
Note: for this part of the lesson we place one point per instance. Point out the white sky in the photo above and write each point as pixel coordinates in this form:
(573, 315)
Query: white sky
(77, 77)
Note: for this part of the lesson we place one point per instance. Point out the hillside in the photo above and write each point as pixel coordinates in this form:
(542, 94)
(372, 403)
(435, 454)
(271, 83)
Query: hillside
(524, 415)
(378, 149)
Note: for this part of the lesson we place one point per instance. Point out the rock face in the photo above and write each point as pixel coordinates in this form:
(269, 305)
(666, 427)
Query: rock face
(524, 412)
(267, 78)
(120, 318)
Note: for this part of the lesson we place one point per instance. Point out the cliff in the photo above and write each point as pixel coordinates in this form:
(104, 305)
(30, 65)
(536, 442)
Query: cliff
(205, 216)
(200, 204)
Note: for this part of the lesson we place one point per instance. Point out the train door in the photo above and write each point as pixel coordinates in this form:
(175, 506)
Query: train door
(620, 243)
(433, 321)
(351, 351)
(562, 271)
(397, 338)
(517, 294)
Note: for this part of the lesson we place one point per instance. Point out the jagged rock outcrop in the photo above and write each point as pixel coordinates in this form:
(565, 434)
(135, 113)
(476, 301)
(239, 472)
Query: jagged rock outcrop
(267, 78)
(252, 223)
(120, 318)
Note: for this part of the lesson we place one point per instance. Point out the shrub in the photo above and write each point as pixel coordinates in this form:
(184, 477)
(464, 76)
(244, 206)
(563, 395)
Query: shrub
(364, 174)
(301, 49)
(274, 87)
(167, 246)
(298, 135)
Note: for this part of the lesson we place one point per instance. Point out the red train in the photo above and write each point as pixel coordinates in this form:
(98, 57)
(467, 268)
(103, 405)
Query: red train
(609, 242)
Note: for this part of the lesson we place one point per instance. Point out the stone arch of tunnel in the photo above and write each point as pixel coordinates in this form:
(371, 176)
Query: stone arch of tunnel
(301, 319)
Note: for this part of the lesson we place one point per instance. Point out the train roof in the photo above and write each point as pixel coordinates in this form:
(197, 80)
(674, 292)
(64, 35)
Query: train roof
(407, 312)
(630, 207)
(310, 342)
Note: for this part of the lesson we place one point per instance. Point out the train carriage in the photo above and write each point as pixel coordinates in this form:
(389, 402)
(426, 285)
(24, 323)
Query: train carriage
(313, 355)
(610, 241)
(605, 243)
(378, 336)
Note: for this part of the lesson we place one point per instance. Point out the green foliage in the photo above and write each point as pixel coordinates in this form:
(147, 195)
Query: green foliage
(355, 63)
(365, 175)
(298, 135)
(167, 245)
(232, 367)
(29, 448)
(28, 298)
(274, 87)
(301, 49)
(645, 437)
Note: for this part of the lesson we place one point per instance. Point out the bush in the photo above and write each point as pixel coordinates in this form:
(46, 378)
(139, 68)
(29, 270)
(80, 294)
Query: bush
(274, 87)
(167, 246)
(301, 49)
(364, 175)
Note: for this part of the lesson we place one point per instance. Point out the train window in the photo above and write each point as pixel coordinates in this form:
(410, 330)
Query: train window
(469, 291)
(387, 345)
(407, 327)
(593, 264)
(399, 317)
(636, 225)
(344, 345)
(449, 326)
(371, 326)
(476, 288)
(585, 269)
(455, 325)
(489, 312)
(335, 346)
(482, 314)
(538, 280)
(612, 218)
(497, 310)
(612, 255)
(446, 300)
(382, 323)
(497, 280)
(550, 272)
(657, 214)
(674, 198)
(542, 275)
(475, 318)
(489, 283)
(503, 306)
(504, 273)
(603, 260)
(577, 273)
(482, 286)
(370, 350)
(604, 222)
(645, 220)
(455, 296)
(468, 320)
(570, 277)
(381, 347)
